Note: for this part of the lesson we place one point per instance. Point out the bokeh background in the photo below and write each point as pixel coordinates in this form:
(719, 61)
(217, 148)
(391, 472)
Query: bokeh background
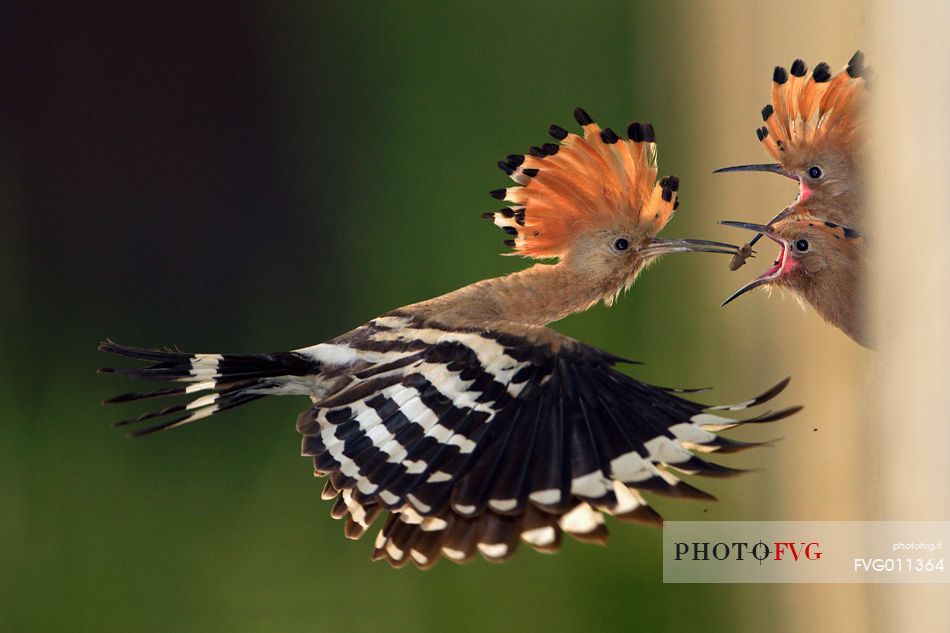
(264, 176)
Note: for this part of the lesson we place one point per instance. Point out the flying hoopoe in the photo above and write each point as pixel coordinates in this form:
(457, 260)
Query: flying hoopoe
(814, 127)
(464, 417)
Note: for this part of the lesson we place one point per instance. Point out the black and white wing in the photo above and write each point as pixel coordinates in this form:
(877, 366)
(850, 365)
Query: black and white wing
(476, 440)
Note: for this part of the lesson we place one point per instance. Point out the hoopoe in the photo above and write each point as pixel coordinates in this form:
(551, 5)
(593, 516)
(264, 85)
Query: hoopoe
(814, 128)
(820, 261)
(464, 417)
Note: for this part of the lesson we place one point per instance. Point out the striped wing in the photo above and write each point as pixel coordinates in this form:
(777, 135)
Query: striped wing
(474, 441)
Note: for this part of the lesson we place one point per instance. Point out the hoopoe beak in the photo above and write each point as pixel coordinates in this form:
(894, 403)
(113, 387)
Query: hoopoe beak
(787, 211)
(660, 246)
(770, 275)
(774, 168)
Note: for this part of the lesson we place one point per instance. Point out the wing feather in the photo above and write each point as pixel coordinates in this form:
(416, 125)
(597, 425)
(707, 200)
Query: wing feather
(490, 438)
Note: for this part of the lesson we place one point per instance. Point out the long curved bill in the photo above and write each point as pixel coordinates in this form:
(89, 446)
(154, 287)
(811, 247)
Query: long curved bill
(769, 275)
(755, 283)
(774, 168)
(784, 213)
(661, 246)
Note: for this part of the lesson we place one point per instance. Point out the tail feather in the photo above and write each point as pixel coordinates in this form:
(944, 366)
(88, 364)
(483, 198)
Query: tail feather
(158, 393)
(184, 367)
(217, 406)
(221, 381)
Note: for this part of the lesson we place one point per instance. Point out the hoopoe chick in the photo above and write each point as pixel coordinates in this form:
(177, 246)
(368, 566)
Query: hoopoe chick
(814, 129)
(820, 262)
(466, 419)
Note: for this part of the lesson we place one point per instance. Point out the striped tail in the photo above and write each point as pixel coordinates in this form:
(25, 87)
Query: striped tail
(224, 381)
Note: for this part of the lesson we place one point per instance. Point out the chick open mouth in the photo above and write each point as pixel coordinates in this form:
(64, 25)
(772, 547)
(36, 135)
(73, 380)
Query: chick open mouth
(773, 272)
(778, 265)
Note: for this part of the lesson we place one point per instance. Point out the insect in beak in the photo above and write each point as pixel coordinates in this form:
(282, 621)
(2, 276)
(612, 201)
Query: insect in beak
(770, 275)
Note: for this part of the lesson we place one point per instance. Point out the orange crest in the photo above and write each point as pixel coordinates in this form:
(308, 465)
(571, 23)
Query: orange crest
(812, 224)
(596, 179)
(822, 109)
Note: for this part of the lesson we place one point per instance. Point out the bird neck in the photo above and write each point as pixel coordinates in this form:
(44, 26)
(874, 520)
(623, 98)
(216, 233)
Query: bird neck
(838, 298)
(535, 296)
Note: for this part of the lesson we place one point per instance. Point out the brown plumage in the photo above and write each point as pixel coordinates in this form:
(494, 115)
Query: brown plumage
(814, 127)
(822, 263)
(465, 418)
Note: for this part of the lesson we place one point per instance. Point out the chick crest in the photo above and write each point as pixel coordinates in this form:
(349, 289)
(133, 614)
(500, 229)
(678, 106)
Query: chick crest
(813, 128)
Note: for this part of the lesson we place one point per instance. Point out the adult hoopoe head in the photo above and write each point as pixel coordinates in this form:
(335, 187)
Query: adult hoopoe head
(813, 129)
(594, 203)
(820, 262)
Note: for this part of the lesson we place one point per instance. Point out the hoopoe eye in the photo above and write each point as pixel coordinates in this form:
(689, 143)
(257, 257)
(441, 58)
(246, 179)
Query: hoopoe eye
(621, 244)
(801, 246)
(814, 172)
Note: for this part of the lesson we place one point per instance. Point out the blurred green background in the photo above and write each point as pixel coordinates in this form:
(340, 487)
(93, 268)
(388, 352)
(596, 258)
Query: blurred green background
(260, 177)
